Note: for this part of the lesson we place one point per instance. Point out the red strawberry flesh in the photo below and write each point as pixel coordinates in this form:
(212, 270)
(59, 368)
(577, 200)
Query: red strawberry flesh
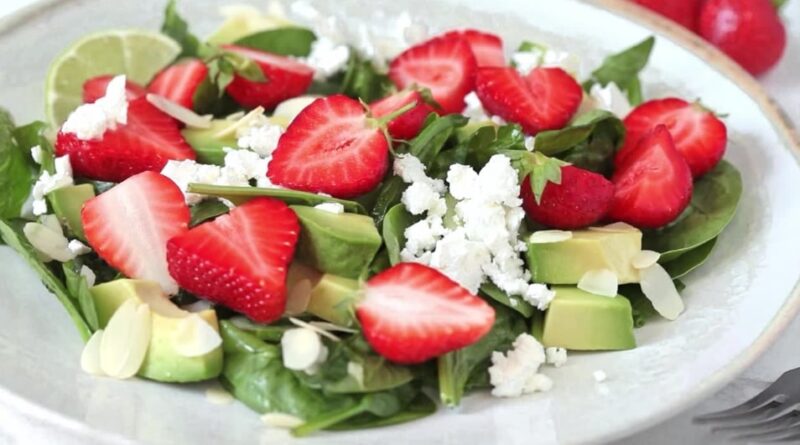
(486, 47)
(179, 82)
(407, 125)
(95, 88)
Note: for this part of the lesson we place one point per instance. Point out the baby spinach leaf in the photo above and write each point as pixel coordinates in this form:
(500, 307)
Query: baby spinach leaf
(79, 291)
(378, 375)
(434, 135)
(362, 81)
(455, 368)
(490, 140)
(270, 333)
(31, 135)
(239, 195)
(642, 308)
(579, 132)
(11, 233)
(176, 27)
(288, 41)
(623, 69)
(714, 201)
(16, 173)
(395, 224)
(206, 210)
(519, 305)
(389, 194)
(421, 406)
(690, 260)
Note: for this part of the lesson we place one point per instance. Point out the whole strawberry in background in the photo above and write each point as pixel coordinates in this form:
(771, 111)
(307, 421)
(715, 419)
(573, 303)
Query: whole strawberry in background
(684, 12)
(749, 31)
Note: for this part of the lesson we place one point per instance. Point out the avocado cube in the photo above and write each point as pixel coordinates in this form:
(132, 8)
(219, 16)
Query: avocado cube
(565, 262)
(207, 143)
(162, 362)
(341, 244)
(580, 321)
(333, 298)
(67, 203)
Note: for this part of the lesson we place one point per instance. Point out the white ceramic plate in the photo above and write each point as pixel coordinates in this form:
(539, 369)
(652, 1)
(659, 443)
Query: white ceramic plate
(737, 303)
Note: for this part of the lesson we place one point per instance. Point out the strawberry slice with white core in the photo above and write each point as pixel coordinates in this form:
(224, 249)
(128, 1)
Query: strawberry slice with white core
(331, 147)
(129, 226)
(486, 47)
(445, 65)
(407, 125)
(411, 313)
(95, 88)
(240, 259)
(179, 82)
(285, 78)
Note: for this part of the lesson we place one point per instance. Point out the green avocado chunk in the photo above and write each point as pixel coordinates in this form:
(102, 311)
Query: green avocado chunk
(67, 203)
(565, 262)
(162, 363)
(333, 299)
(207, 145)
(342, 244)
(581, 321)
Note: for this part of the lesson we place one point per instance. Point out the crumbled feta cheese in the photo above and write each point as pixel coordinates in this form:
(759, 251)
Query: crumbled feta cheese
(78, 248)
(89, 275)
(243, 165)
(474, 108)
(539, 295)
(47, 183)
(90, 121)
(556, 356)
(259, 135)
(463, 181)
(610, 98)
(422, 236)
(420, 197)
(599, 376)
(461, 259)
(183, 173)
(331, 207)
(36, 154)
(517, 372)
(327, 57)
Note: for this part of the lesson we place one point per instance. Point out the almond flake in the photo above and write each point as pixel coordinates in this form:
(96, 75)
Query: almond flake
(645, 259)
(179, 112)
(550, 236)
(244, 121)
(281, 420)
(302, 348)
(194, 337)
(602, 282)
(125, 340)
(52, 222)
(290, 108)
(659, 288)
(318, 330)
(330, 327)
(48, 241)
(90, 357)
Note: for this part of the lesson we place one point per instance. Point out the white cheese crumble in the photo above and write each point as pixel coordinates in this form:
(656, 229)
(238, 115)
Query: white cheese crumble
(544, 57)
(36, 154)
(90, 121)
(330, 207)
(47, 183)
(476, 113)
(327, 57)
(610, 98)
(260, 136)
(517, 372)
(599, 376)
(78, 248)
(556, 356)
(483, 243)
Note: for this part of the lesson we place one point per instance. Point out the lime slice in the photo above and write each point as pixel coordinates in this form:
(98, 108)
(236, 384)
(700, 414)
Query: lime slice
(136, 53)
(243, 20)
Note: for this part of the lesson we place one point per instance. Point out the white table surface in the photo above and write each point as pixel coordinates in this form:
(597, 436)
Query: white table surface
(783, 83)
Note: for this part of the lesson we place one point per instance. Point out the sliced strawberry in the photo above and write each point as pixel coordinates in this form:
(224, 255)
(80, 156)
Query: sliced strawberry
(545, 99)
(146, 142)
(697, 133)
(331, 147)
(684, 12)
(95, 88)
(444, 65)
(654, 185)
(581, 199)
(487, 48)
(286, 78)
(179, 82)
(408, 124)
(130, 224)
(411, 313)
(240, 259)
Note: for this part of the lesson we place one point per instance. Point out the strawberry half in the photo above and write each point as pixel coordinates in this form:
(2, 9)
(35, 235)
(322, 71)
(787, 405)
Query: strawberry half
(407, 125)
(146, 142)
(487, 48)
(696, 132)
(545, 99)
(240, 259)
(411, 313)
(654, 184)
(286, 78)
(444, 65)
(130, 224)
(684, 12)
(95, 88)
(582, 199)
(331, 147)
(179, 82)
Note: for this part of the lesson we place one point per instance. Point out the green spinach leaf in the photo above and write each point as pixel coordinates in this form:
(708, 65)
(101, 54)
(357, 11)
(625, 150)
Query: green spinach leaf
(714, 201)
(390, 193)
(31, 135)
(362, 81)
(176, 27)
(395, 223)
(690, 260)
(514, 303)
(16, 173)
(288, 41)
(378, 374)
(79, 291)
(623, 69)
(490, 140)
(270, 333)
(206, 210)
(239, 195)
(421, 406)
(434, 135)
(642, 308)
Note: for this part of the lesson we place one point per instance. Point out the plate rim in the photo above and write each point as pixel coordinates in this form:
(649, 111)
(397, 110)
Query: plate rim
(714, 58)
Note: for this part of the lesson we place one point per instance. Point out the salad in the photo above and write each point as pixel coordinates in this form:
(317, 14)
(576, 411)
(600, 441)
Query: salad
(347, 232)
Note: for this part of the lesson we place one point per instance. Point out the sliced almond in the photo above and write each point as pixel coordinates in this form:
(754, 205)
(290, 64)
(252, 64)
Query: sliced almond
(179, 112)
(281, 420)
(125, 340)
(52, 222)
(48, 241)
(616, 227)
(245, 120)
(90, 357)
(217, 395)
(330, 327)
(298, 297)
(194, 337)
(602, 282)
(89, 275)
(550, 236)
(318, 330)
(645, 259)
(659, 288)
(301, 348)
